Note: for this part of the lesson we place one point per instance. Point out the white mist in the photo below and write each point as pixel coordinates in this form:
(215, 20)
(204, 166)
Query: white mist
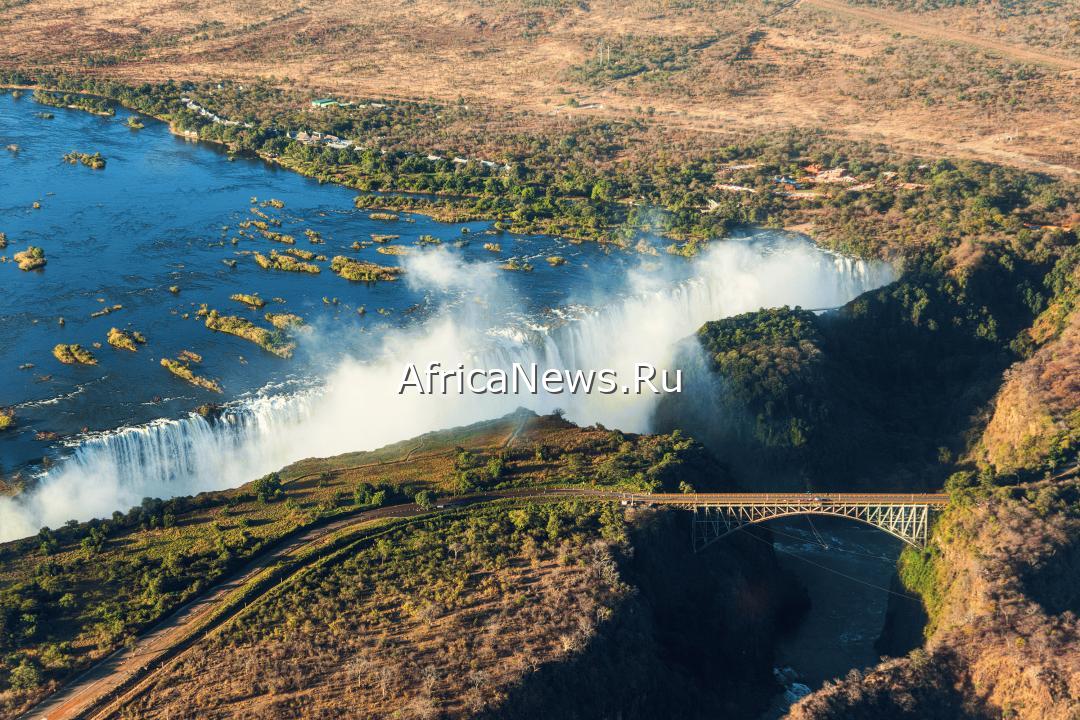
(359, 406)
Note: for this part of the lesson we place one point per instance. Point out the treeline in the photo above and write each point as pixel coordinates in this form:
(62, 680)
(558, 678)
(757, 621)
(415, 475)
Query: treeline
(96, 105)
(605, 180)
(883, 391)
(638, 463)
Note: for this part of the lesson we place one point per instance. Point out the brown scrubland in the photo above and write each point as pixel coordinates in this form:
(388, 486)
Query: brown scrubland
(963, 374)
(966, 80)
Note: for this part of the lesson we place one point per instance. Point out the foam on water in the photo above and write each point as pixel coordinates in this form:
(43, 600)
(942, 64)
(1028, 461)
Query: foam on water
(358, 406)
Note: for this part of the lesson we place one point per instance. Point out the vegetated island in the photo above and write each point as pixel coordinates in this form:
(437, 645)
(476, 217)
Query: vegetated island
(285, 263)
(363, 271)
(184, 372)
(94, 161)
(74, 354)
(125, 340)
(517, 265)
(32, 258)
(271, 341)
(285, 321)
(252, 301)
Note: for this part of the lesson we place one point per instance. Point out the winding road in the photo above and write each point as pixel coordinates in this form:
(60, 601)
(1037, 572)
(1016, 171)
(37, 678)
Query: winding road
(103, 689)
(95, 692)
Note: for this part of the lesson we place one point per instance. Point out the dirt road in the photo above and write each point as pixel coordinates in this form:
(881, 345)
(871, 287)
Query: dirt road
(105, 678)
(911, 25)
(88, 693)
(104, 688)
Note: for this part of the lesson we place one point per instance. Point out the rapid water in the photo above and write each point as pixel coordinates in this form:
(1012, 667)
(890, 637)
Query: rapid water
(164, 213)
(341, 392)
(847, 568)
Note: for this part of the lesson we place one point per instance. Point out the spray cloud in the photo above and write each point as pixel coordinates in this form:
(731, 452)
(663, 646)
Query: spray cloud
(359, 407)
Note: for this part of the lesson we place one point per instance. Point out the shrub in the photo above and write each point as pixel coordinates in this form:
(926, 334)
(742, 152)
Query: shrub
(268, 488)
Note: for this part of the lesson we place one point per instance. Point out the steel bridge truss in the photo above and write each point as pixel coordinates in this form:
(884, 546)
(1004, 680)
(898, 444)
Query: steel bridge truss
(909, 522)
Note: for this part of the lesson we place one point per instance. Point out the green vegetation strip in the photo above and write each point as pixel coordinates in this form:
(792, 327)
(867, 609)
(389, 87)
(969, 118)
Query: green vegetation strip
(609, 181)
(236, 601)
(317, 554)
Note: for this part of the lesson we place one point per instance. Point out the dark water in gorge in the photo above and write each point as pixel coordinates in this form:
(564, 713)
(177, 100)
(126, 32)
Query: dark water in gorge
(847, 569)
(164, 213)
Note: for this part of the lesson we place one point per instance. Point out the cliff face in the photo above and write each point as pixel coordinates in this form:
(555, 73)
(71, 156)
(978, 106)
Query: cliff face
(1002, 578)
(1005, 640)
(693, 638)
(878, 396)
(902, 388)
(1037, 412)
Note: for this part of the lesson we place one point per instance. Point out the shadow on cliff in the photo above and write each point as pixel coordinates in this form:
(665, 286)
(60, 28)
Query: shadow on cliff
(693, 640)
(1055, 583)
(879, 395)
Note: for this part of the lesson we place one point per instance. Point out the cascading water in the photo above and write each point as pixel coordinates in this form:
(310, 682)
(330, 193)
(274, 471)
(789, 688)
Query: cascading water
(645, 326)
(114, 471)
(360, 407)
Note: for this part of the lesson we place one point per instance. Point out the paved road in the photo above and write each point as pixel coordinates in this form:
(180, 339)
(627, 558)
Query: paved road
(93, 693)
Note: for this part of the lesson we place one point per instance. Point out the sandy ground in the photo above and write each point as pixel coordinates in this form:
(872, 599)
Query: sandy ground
(865, 73)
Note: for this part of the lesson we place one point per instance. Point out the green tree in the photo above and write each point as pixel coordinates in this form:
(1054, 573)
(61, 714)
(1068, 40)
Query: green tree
(26, 676)
(601, 191)
(95, 540)
(363, 493)
(268, 488)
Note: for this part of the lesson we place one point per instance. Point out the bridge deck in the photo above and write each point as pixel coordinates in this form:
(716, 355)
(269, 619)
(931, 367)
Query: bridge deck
(808, 499)
(716, 515)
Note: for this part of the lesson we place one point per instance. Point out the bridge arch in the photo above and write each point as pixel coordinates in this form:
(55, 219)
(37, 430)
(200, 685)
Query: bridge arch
(716, 515)
(907, 520)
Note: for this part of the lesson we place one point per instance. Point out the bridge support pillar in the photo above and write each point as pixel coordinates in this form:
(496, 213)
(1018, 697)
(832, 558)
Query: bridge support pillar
(908, 521)
(711, 523)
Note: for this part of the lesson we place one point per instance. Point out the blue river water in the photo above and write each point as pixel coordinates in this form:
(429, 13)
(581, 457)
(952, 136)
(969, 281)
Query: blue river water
(163, 213)
(167, 212)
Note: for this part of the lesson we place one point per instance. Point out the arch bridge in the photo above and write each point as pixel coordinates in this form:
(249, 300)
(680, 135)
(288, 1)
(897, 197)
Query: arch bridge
(717, 515)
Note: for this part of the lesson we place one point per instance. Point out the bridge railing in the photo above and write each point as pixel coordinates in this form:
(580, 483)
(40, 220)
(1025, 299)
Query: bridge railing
(716, 515)
(810, 499)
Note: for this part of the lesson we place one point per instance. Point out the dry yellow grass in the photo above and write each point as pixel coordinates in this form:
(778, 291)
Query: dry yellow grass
(382, 661)
(1037, 404)
(920, 82)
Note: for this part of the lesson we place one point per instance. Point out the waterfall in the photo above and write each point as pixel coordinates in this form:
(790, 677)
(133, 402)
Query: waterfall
(645, 326)
(116, 470)
(359, 405)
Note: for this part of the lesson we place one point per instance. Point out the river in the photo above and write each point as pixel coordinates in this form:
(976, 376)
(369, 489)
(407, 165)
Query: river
(165, 213)
(847, 569)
